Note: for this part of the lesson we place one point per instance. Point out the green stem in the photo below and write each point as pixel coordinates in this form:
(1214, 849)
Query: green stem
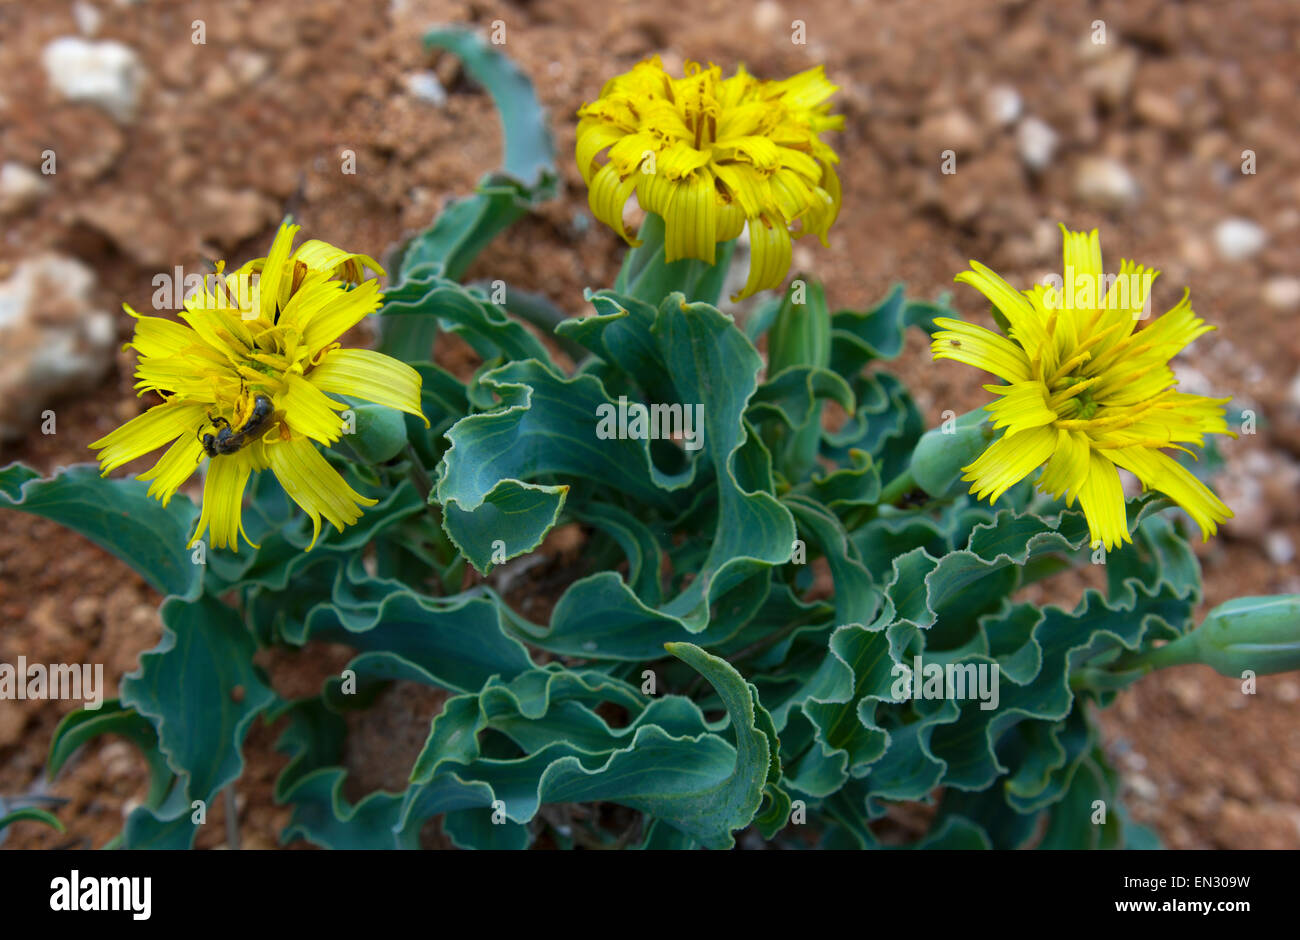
(897, 488)
(419, 476)
(890, 494)
(1101, 680)
(646, 276)
(1180, 652)
(538, 310)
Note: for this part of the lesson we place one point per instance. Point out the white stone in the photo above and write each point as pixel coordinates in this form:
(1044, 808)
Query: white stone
(768, 15)
(1002, 105)
(1279, 547)
(56, 341)
(1282, 293)
(1105, 183)
(87, 16)
(1143, 788)
(20, 187)
(1134, 761)
(426, 87)
(248, 65)
(1238, 239)
(1036, 143)
(106, 74)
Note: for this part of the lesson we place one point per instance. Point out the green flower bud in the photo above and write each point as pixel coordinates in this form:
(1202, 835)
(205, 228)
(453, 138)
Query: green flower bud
(942, 452)
(801, 333)
(1260, 634)
(380, 433)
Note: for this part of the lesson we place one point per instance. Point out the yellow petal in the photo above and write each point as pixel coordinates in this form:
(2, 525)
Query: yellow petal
(364, 373)
(160, 425)
(976, 346)
(322, 256)
(746, 186)
(1068, 468)
(806, 89)
(691, 223)
(769, 256)
(308, 410)
(1159, 471)
(1026, 324)
(607, 195)
(224, 329)
(1082, 256)
(680, 160)
(223, 500)
(175, 467)
(1019, 407)
(1007, 461)
(331, 310)
(731, 222)
(314, 485)
(160, 337)
(592, 139)
(794, 196)
(273, 268)
(1171, 332)
(1102, 499)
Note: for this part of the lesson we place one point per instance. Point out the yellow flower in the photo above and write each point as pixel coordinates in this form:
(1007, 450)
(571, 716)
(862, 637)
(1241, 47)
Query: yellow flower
(1087, 391)
(246, 382)
(709, 155)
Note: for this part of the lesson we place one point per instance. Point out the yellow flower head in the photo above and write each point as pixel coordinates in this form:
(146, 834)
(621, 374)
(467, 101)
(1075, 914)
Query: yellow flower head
(709, 154)
(245, 382)
(1087, 391)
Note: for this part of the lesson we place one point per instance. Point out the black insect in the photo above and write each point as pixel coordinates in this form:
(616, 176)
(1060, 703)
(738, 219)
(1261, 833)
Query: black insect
(227, 440)
(912, 498)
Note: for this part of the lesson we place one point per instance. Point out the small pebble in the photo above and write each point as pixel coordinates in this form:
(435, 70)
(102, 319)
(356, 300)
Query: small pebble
(107, 74)
(1282, 293)
(1238, 239)
(426, 87)
(1002, 105)
(1105, 183)
(1279, 547)
(1036, 143)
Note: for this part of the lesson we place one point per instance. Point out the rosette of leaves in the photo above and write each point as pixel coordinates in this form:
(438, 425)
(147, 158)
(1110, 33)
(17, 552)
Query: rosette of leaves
(725, 657)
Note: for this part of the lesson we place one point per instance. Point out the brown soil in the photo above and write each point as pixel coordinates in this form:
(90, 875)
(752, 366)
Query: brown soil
(235, 132)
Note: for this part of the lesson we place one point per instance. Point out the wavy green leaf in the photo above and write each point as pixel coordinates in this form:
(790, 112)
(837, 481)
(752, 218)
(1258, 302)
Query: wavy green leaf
(201, 691)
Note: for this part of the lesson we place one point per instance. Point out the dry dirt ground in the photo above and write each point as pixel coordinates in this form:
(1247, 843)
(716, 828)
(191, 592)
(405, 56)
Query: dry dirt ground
(1149, 131)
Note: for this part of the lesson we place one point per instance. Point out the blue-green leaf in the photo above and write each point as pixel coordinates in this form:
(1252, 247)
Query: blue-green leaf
(200, 689)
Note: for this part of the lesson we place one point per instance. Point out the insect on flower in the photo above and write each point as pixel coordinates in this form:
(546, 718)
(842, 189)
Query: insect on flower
(246, 380)
(712, 155)
(227, 440)
(1087, 391)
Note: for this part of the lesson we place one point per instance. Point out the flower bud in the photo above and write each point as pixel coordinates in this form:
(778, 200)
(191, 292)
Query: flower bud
(801, 333)
(942, 452)
(1260, 634)
(380, 433)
